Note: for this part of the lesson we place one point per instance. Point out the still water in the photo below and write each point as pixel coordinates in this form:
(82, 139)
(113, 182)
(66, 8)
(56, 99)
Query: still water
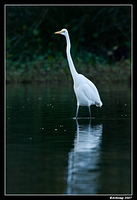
(49, 152)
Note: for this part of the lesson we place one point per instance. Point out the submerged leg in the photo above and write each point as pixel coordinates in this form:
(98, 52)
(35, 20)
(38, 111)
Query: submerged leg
(77, 111)
(89, 112)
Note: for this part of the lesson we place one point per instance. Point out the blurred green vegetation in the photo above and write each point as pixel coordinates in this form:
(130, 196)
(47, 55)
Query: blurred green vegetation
(34, 53)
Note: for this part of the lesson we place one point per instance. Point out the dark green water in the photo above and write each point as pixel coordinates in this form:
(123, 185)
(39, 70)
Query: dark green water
(49, 152)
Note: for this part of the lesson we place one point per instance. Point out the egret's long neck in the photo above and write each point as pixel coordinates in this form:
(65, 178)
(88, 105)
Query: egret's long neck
(71, 64)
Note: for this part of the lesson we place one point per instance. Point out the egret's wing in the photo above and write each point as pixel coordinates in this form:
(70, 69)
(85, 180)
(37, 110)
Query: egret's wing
(86, 92)
(96, 93)
(90, 93)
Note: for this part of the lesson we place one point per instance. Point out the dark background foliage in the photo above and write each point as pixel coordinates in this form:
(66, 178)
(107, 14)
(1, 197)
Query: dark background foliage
(94, 31)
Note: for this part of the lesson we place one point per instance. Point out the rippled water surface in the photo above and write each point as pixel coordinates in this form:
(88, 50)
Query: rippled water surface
(49, 152)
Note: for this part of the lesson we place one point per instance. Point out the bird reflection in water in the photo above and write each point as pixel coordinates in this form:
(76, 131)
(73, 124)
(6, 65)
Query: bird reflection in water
(83, 160)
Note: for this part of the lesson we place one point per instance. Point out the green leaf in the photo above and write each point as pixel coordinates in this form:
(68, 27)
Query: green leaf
(95, 35)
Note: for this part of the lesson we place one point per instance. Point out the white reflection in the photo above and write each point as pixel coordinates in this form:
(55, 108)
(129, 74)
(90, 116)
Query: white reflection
(83, 160)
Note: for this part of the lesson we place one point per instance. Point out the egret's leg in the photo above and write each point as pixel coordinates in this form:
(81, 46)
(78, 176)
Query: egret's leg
(77, 111)
(89, 112)
(77, 123)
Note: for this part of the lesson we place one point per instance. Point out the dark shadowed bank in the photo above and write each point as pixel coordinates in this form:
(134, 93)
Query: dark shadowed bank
(57, 69)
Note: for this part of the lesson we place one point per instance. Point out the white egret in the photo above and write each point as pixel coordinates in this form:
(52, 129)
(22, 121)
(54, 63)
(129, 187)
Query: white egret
(85, 91)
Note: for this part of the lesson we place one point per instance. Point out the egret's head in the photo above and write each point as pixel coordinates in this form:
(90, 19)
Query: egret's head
(62, 32)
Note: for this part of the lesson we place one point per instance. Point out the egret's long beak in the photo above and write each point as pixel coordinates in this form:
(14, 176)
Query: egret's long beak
(58, 32)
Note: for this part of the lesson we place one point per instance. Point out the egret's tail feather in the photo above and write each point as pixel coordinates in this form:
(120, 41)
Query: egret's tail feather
(99, 104)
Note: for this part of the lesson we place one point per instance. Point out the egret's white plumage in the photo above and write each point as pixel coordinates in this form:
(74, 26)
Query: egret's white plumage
(86, 92)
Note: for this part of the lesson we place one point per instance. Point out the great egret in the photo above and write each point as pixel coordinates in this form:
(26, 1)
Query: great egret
(85, 91)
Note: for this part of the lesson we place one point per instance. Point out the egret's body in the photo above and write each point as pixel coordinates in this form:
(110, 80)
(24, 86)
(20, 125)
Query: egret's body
(86, 92)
